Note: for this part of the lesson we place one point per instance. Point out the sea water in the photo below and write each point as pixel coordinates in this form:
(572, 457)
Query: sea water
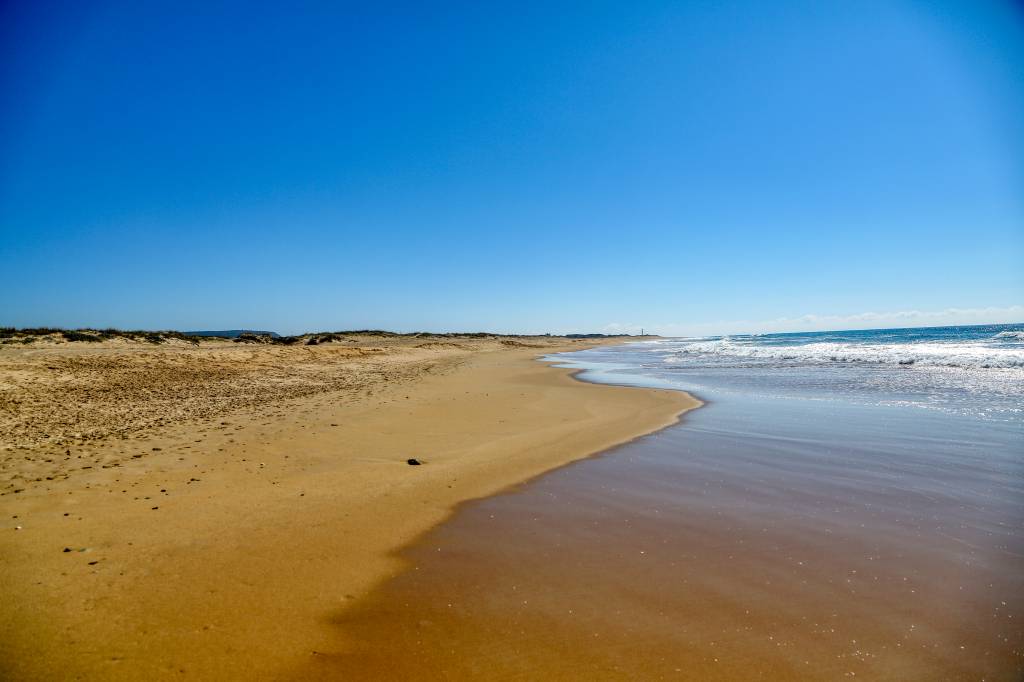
(975, 371)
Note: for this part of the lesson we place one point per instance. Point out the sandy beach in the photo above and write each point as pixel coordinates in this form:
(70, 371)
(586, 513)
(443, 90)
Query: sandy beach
(212, 510)
(544, 234)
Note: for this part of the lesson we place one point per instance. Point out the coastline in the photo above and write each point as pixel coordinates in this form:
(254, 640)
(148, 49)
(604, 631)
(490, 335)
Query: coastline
(275, 522)
(775, 536)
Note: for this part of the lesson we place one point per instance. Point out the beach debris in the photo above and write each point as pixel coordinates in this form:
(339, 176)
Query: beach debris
(67, 549)
(412, 461)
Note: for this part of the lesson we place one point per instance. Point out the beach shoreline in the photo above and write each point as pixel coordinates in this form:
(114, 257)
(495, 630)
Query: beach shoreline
(769, 535)
(224, 546)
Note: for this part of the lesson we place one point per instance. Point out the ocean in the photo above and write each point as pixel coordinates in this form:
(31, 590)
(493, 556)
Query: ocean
(975, 371)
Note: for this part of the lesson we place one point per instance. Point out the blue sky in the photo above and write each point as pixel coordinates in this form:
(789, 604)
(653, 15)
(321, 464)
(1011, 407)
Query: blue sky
(688, 167)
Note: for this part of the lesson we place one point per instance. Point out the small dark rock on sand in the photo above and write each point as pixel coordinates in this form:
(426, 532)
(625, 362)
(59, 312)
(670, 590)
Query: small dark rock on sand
(412, 461)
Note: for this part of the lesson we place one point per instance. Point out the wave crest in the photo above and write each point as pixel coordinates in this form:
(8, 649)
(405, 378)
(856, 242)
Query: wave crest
(964, 355)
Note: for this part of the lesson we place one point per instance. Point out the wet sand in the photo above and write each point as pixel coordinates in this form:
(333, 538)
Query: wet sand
(753, 541)
(207, 512)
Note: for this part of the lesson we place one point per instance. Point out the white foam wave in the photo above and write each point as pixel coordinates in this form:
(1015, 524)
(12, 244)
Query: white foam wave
(966, 355)
(1010, 335)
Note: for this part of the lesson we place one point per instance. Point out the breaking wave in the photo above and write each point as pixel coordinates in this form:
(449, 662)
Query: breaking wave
(971, 355)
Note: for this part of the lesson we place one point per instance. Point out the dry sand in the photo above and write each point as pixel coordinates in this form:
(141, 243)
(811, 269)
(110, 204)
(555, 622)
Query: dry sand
(209, 511)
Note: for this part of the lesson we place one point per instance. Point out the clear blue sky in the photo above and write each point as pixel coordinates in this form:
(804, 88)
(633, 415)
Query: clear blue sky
(701, 166)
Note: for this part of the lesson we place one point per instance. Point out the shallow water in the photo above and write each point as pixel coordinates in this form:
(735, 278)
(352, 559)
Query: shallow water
(764, 538)
(975, 371)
